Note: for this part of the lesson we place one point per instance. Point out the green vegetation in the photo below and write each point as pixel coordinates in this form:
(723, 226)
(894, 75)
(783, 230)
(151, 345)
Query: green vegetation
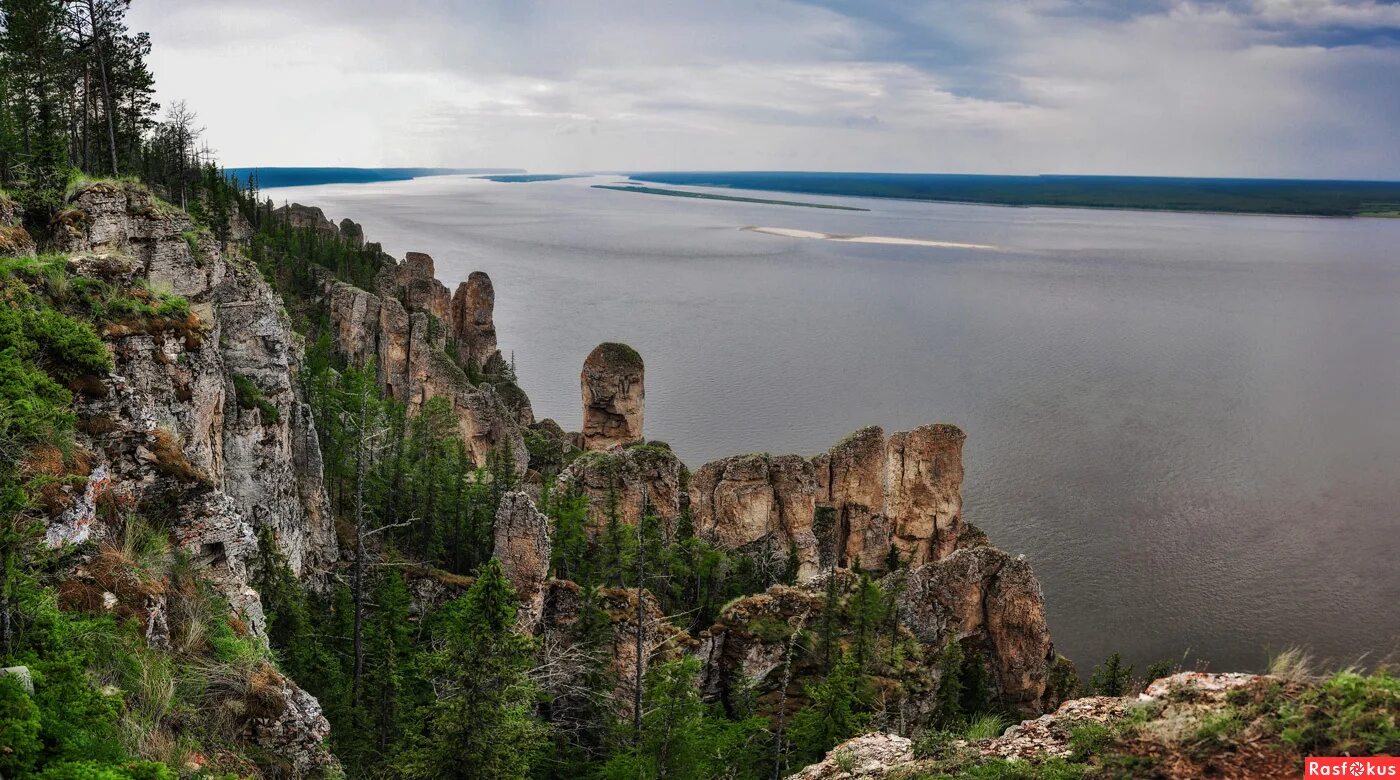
(250, 396)
(712, 196)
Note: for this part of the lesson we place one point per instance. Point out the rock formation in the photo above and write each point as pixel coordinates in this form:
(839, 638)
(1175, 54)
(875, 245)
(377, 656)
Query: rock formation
(857, 501)
(643, 476)
(299, 216)
(762, 505)
(989, 600)
(352, 232)
(14, 238)
(473, 329)
(982, 598)
(522, 545)
(613, 396)
(171, 396)
(408, 345)
(562, 621)
(172, 435)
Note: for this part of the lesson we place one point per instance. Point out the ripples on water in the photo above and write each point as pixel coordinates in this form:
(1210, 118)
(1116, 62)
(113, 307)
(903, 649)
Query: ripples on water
(1190, 423)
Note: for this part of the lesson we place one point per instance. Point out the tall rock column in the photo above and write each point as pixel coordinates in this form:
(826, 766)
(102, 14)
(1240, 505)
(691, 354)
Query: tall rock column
(613, 396)
(473, 328)
(523, 547)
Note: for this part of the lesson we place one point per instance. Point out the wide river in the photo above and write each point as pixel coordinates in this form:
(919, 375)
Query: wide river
(1189, 423)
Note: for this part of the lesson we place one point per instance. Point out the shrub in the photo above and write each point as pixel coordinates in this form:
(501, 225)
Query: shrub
(1347, 713)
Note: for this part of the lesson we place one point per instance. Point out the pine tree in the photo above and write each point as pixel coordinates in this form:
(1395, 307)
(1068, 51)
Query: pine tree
(482, 725)
(948, 713)
(867, 608)
(832, 716)
(1112, 677)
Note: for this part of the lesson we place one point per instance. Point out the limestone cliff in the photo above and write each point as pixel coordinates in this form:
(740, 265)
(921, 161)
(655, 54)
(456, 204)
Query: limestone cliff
(199, 428)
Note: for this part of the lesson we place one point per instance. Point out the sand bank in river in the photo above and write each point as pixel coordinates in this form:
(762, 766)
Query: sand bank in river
(795, 233)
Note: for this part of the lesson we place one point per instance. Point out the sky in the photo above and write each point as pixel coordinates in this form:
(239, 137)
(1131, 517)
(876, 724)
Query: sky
(1287, 88)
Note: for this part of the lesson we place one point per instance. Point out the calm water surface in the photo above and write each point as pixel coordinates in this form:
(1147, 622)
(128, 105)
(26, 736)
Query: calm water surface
(1189, 423)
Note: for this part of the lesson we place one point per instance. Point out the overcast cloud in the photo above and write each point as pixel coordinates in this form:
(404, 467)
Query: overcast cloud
(1264, 88)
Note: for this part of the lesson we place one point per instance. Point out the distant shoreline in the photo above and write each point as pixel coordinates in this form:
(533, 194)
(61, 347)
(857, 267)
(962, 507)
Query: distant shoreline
(278, 177)
(712, 196)
(1263, 197)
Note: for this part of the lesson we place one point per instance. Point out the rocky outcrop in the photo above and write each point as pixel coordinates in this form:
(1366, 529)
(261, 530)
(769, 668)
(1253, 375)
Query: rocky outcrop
(473, 327)
(630, 481)
(307, 217)
(170, 429)
(614, 396)
(861, 502)
(522, 545)
(869, 755)
(987, 600)
(408, 348)
(199, 428)
(762, 505)
(294, 728)
(14, 238)
(982, 598)
(565, 620)
(352, 232)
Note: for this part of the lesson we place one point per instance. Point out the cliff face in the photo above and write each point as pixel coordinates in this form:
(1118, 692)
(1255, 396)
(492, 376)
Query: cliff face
(857, 502)
(181, 387)
(198, 427)
(404, 328)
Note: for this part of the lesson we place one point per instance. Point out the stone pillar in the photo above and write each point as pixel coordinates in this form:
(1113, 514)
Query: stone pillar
(613, 396)
(473, 326)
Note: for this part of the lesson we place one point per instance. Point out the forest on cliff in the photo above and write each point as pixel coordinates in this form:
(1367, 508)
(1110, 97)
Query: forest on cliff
(273, 505)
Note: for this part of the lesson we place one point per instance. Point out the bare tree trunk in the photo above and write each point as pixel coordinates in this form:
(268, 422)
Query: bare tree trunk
(641, 615)
(359, 575)
(106, 85)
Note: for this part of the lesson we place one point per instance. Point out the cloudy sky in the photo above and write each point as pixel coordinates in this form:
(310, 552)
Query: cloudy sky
(1238, 87)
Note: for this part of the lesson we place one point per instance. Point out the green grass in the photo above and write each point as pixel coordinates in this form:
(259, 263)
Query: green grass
(1347, 713)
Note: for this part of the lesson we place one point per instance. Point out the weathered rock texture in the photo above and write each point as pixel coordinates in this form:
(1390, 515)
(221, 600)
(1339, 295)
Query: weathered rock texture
(560, 634)
(760, 504)
(473, 326)
(168, 421)
(14, 238)
(858, 501)
(990, 601)
(641, 477)
(170, 434)
(408, 345)
(1164, 739)
(982, 598)
(614, 396)
(522, 545)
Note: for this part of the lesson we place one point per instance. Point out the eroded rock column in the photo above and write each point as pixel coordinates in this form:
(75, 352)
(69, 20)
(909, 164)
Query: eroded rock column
(523, 547)
(473, 326)
(613, 396)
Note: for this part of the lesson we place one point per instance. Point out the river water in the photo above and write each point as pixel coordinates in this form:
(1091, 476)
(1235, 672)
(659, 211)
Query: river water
(1190, 423)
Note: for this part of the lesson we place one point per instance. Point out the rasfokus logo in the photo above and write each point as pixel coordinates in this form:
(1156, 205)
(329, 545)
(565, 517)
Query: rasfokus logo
(1372, 766)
